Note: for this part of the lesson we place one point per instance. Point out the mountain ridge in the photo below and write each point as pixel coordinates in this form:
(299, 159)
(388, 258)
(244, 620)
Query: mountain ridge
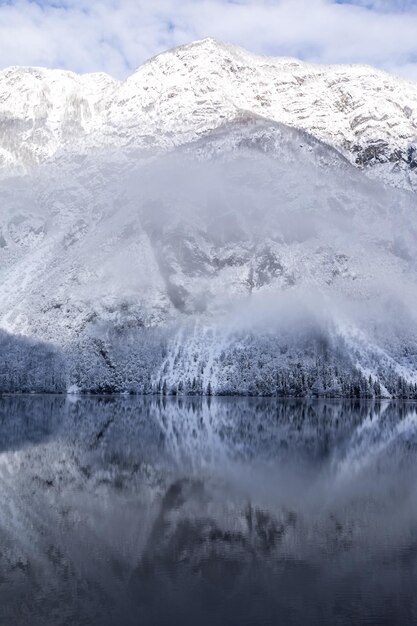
(177, 96)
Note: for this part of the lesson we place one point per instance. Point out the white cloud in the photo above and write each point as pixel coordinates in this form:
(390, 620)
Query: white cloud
(118, 35)
(390, 6)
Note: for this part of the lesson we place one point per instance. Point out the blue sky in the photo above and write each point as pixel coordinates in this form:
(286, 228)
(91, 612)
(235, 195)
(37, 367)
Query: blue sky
(116, 36)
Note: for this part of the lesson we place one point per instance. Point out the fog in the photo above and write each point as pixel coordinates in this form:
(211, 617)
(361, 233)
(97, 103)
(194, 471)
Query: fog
(281, 238)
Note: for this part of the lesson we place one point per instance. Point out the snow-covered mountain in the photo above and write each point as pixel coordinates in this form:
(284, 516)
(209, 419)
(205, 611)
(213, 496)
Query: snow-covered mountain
(366, 114)
(215, 223)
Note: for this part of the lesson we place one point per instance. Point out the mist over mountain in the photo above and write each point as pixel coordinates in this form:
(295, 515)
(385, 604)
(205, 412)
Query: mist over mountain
(217, 223)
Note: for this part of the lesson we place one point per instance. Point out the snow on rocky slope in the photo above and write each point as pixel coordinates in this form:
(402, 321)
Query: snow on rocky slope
(42, 110)
(168, 233)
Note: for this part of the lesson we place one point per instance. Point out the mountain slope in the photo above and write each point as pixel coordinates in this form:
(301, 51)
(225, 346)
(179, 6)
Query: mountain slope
(255, 259)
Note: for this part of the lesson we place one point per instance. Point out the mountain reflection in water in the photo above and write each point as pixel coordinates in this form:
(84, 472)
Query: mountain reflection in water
(223, 511)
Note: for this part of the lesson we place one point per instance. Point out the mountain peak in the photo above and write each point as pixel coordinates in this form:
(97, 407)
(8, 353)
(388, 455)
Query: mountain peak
(205, 46)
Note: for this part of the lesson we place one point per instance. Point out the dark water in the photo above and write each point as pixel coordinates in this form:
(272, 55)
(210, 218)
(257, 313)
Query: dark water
(223, 512)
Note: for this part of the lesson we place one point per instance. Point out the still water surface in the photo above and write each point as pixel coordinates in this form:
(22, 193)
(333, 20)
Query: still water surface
(136, 511)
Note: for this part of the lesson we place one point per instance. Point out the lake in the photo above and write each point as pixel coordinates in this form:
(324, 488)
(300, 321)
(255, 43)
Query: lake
(207, 511)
